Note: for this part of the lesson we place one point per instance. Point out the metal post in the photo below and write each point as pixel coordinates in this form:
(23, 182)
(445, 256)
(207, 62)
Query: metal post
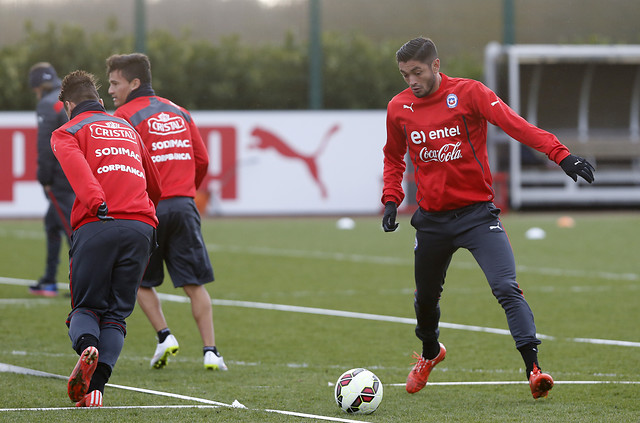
(508, 22)
(140, 26)
(315, 55)
(515, 166)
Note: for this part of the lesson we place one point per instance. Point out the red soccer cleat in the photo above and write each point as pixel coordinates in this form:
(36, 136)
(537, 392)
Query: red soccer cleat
(80, 378)
(92, 399)
(540, 383)
(418, 376)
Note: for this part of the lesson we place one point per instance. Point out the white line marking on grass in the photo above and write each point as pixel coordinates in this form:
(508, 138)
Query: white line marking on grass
(312, 416)
(8, 368)
(280, 252)
(511, 382)
(355, 315)
(27, 282)
(25, 301)
(361, 258)
(605, 342)
(171, 395)
(579, 273)
(123, 407)
(22, 233)
(382, 318)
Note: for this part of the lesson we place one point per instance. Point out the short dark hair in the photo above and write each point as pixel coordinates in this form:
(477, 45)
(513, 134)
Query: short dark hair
(421, 49)
(132, 66)
(79, 86)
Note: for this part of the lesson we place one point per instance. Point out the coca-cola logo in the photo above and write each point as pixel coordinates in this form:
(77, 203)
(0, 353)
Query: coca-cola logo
(446, 153)
(164, 124)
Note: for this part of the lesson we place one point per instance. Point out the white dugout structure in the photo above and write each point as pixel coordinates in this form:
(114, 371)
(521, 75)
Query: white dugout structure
(589, 96)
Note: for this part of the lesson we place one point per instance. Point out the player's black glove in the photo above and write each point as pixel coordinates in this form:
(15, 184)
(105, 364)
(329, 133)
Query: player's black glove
(389, 218)
(102, 212)
(575, 166)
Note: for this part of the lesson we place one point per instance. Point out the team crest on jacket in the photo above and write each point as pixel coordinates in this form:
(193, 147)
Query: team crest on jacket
(452, 100)
(164, 124)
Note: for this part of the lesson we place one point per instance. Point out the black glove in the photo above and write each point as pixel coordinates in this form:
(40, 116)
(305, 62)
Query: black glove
(575, 166)
(102, 212)
(389, 218)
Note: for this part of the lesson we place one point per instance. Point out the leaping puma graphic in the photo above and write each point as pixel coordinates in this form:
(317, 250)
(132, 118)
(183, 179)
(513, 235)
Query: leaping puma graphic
(266, 139)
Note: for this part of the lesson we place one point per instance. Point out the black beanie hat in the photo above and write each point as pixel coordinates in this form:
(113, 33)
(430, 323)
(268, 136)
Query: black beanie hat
(43, 73)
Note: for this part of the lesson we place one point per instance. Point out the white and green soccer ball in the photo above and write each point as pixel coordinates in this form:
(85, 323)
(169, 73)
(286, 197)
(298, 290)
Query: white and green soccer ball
(358, 391)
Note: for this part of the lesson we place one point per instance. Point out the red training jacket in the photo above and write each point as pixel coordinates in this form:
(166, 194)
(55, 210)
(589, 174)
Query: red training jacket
(105, 160)
(173, 140)
(446, 134)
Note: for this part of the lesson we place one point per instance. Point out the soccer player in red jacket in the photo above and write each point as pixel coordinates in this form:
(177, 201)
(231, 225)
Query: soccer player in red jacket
(178, 151)
(442, 123)
(113, 220)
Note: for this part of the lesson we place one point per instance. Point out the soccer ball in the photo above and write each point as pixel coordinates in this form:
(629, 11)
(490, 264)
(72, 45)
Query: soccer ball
(358, 391)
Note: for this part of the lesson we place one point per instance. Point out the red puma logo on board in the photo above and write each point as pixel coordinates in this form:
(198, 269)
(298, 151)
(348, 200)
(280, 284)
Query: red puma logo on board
(266, 139)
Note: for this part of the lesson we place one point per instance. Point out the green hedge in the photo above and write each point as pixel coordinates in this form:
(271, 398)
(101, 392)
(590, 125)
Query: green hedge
(231, 75)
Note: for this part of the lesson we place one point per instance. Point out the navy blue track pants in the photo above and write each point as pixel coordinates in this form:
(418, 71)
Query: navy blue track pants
(57, 222)
(478, 229)
(107, 261)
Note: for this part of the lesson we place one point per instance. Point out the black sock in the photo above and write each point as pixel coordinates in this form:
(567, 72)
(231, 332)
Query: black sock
(212, 349)
(162, 335)
(100, 377)
(529, 354)
(85, 341)
(430, 351)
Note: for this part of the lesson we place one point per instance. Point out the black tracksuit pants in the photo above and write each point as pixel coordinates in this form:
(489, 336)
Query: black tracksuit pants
(107, 261)
(477, 229)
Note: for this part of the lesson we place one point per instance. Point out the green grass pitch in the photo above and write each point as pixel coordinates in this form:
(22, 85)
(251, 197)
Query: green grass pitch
(582, 283)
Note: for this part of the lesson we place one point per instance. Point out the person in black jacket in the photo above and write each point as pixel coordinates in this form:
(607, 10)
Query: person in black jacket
(45, 83)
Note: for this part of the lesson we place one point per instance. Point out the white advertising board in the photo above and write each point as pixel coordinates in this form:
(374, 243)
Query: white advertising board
(261, 163)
